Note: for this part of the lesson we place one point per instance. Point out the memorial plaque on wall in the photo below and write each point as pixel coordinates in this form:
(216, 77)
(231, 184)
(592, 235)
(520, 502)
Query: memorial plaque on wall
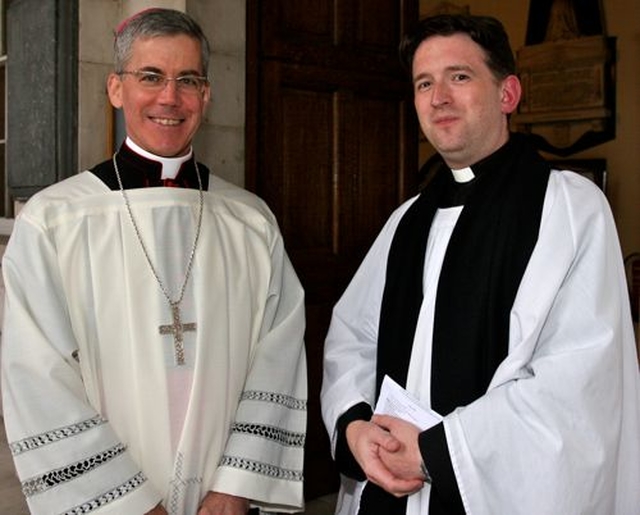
(568, 77)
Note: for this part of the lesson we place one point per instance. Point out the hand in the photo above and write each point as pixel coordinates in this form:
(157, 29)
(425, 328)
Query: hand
(368, 442)
(158, 510)
(404, 462)
(216, 503)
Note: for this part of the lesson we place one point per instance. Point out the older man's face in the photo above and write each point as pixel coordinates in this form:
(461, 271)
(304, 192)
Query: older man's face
(161, 119)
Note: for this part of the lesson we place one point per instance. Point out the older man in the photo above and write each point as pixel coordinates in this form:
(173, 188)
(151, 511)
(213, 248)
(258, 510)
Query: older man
(153, 357)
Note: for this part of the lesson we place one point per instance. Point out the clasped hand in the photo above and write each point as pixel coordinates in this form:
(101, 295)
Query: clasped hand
(387, 450)
(214, 503)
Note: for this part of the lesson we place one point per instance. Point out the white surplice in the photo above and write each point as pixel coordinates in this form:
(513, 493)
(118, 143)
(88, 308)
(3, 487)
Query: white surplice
(558, 430)
(87, 375)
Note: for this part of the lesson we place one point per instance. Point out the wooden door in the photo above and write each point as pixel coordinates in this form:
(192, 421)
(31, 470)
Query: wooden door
(332, 148)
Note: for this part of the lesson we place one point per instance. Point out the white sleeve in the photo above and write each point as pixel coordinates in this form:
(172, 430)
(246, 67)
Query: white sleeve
(66, 454)
(263, 458)
(349, 374)
(557, 432)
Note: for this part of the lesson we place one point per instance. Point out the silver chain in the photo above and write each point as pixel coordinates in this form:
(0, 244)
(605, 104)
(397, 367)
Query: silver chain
(144, 247)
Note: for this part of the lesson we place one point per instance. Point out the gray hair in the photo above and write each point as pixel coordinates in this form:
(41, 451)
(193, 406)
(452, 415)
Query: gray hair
(156, 22)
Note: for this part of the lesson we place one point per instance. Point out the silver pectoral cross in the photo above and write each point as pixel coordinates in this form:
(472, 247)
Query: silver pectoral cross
(177, 329)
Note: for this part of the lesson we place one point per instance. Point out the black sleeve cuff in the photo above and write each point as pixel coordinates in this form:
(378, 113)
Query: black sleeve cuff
(345, 461)
(444, 485)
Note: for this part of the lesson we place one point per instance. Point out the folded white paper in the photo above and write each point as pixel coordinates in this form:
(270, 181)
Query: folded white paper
(397, 402)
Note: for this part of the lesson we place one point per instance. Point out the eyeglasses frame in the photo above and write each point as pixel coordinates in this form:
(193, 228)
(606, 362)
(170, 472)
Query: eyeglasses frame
(165, 79)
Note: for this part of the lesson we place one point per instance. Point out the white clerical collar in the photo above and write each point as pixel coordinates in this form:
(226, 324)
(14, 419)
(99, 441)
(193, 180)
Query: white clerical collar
(170, 165)
(463, 174)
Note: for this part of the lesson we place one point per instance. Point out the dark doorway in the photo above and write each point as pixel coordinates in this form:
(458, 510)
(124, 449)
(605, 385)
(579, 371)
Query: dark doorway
(332, 148)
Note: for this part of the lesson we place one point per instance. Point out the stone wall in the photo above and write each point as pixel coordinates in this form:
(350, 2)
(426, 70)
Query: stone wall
(220, 142)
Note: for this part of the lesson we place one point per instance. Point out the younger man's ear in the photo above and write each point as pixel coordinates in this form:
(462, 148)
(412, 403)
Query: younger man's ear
(511, 94)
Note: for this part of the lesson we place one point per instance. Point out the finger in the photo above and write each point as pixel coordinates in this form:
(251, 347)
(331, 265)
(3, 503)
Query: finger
(385, 439)
(384, 421)
(389, 443)
(408, 490)
(397, 487)
(401, 487)
(399, 467)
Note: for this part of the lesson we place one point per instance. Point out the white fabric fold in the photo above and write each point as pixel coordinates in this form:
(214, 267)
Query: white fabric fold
(76, 278)
(557, 430)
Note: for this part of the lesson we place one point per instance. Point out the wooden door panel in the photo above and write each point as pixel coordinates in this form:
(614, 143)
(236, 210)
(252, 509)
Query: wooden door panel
(307, 194)
(333, 165)
(291, 26)
(338, 34)
(379, 33)
(372, 174)
(332, 149)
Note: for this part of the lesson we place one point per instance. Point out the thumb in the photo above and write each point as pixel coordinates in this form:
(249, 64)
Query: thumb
(389, 442)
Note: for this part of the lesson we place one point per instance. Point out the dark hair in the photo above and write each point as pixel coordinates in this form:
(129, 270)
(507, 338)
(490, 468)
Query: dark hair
(156, 22)
(486, 31)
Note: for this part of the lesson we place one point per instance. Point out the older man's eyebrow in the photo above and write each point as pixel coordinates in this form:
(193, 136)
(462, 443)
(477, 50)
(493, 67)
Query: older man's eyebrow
(181, 73)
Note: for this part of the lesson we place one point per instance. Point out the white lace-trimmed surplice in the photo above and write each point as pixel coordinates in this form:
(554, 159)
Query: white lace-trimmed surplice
(86, 372)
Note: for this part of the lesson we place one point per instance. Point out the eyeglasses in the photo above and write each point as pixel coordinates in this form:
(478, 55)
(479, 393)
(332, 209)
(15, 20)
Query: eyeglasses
(154, 81)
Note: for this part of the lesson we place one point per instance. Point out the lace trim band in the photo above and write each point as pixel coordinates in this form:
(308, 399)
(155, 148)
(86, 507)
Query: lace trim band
(51, 479)
(108, 497)
(261, 468)
(275, 434)
(35, 442)
(276, 398)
